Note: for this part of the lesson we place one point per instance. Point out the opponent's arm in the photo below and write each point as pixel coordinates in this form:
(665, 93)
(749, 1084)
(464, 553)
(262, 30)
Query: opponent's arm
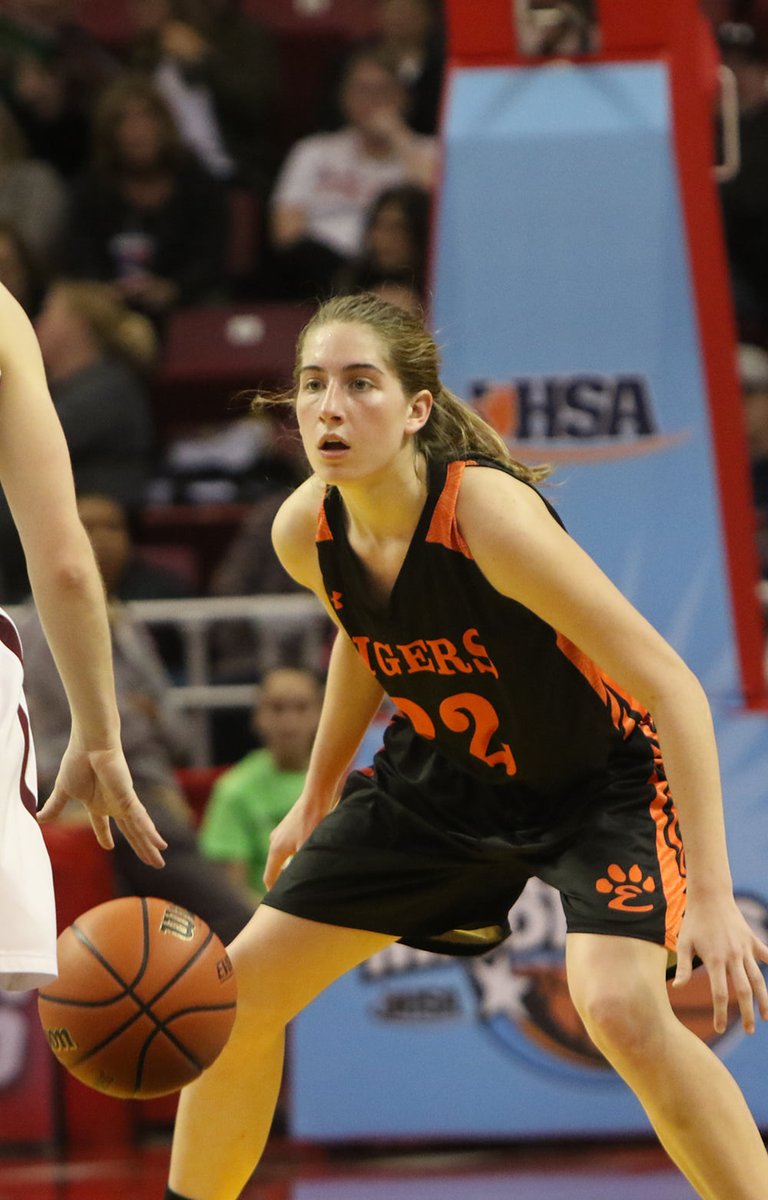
(352, 694)
(526, 555)
(37, 479)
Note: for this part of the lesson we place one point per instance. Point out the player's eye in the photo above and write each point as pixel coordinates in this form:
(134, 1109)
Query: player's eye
(360, 384)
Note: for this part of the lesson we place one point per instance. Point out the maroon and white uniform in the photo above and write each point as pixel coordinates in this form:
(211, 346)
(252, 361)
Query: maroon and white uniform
(27, 907)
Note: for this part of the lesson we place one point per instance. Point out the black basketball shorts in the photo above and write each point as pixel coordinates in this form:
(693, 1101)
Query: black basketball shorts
(419, 849)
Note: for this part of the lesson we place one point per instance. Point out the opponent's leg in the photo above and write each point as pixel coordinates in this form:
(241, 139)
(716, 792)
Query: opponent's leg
(694, 1104)
(281, 962)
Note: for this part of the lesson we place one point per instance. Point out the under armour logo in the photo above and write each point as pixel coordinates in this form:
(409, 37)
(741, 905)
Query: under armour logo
(336, 601)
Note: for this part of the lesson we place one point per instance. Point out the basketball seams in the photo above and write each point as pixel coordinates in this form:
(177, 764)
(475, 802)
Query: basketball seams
(181, 1046)
(143, 1006)
(149, 1049)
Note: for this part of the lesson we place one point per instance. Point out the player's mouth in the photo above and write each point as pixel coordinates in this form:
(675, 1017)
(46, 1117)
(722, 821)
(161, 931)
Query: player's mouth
(332, 447)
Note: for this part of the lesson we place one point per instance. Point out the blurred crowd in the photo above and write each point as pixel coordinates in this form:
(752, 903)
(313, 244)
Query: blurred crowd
(159, 157)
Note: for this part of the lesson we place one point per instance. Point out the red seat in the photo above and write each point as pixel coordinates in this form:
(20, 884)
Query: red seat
(196, 784)
(82, 871)
(347, 19)
(110, 23)
(180, 558)
(244, 243)
(202, 531)
(238, 345)
(214, 352)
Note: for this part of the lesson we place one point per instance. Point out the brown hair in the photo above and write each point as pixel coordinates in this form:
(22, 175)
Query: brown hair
(112, 105)
(453, 429)
(117, 329)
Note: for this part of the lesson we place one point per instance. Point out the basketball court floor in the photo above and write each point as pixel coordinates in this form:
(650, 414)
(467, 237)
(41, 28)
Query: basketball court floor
(549, 1172)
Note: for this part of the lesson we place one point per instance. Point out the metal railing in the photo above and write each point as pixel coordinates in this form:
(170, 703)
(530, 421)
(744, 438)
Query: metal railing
(272, 618)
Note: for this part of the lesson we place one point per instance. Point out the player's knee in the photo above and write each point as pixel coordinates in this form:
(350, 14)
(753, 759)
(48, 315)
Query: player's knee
(620, 1023)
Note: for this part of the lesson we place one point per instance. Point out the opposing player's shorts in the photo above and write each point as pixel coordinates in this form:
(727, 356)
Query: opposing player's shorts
(27, 909)
(419, 849)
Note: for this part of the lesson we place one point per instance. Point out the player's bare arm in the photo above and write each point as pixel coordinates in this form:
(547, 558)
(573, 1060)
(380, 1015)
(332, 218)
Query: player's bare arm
(37, 479)
(352, 694)
(527, 556)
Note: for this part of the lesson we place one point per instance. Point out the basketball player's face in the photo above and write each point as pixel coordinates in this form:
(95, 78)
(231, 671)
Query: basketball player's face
(354, 418)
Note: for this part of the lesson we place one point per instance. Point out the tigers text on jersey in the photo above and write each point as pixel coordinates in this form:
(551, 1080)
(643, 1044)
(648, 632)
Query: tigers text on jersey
(498, 690)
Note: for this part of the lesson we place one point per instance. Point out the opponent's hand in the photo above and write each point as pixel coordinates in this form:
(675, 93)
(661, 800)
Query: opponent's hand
(716, 931)
(101, 781)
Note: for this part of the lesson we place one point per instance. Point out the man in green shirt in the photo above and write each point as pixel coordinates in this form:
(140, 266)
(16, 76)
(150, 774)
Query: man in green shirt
(253, 796)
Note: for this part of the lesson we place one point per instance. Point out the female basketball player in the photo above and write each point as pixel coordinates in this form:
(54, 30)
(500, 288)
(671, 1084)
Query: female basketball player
(514, 753)
(37, 480)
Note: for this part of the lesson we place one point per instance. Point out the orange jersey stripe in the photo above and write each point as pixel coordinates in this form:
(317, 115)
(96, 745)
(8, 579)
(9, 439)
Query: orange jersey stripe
(669, 848)
(443, 528)
(323, 533)
(621, 705)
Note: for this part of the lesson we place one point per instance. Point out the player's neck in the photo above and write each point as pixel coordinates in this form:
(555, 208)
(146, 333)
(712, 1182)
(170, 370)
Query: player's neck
(387, 506)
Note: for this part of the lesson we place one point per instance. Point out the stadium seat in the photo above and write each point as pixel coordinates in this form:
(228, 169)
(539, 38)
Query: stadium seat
(347, 19)
(110, 23)
(196, 784)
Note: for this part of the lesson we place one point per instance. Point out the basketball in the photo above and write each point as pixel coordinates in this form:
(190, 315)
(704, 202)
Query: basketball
(145, 998)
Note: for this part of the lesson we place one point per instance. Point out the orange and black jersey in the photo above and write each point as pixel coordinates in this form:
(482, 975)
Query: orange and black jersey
(496, 689)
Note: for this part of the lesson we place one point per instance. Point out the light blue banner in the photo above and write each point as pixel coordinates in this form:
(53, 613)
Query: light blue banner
(561, 274)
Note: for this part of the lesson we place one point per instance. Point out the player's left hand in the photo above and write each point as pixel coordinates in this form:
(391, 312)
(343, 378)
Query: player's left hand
(101, 781)
(716, 931)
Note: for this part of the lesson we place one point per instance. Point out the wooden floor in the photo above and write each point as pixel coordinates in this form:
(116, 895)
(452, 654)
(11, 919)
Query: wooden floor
(635, 1172)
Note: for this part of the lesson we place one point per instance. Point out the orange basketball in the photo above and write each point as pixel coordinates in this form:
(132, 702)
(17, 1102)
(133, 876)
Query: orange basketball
(144, 1001)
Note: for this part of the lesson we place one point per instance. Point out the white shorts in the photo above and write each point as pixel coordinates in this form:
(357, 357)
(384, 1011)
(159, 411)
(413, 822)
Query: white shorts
(27, 906)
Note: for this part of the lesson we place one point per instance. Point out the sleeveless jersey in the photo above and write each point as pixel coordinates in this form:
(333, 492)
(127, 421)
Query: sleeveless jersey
(497, 690)
(27, 909)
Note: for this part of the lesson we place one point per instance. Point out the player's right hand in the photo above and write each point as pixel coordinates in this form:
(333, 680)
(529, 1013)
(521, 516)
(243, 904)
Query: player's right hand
(101, 781)
(286, 837)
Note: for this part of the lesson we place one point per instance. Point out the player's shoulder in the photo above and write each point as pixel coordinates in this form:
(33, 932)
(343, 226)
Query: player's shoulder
(481, 483)
(294, 530)
(493, 500)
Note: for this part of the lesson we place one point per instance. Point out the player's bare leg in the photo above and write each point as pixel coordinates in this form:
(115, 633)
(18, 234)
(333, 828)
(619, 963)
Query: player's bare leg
(282, 963)
(694, 1104)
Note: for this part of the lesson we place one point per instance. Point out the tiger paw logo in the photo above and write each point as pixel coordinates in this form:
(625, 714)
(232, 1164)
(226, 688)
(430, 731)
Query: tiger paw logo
(627, 889)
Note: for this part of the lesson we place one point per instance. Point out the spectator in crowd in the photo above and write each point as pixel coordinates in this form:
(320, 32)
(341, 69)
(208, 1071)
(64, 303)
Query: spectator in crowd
(155, 740)
(128, 574)
(253, 796)
(20, 269)
(395, 244)
(52, 70)
(131, 575)
(147, 217)
(96, 353)
(745, 197)
(250, 567)
(329, 180)
(32, 195)
(410, 36)
(217, 70)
